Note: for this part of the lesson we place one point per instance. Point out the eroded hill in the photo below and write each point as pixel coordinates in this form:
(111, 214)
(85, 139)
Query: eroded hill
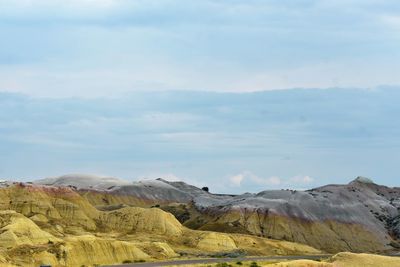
(55, 225)
(360, 216)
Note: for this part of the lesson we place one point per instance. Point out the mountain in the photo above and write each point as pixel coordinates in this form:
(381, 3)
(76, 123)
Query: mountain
(58, 226)
(76, 220)
(360, 216)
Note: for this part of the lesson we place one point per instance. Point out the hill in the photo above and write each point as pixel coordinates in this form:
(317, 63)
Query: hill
(360, 216)
(56, 225)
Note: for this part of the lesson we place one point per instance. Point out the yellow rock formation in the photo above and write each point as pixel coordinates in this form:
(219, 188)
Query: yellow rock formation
(364, 260)
(57, 226)
(18, 230)
(90, 250)
(132, 219)
(345, 259)
(56, 204)
(44, 258)
(327, 235)
(263, 246)
(157, 250)
(216, 242)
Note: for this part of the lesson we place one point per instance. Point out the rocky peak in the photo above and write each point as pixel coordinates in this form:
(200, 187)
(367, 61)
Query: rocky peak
(362, 180)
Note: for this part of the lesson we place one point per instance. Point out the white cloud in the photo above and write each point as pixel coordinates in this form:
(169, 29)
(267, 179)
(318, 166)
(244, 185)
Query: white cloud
(38, 80)
(274, 180)
(249, 178)
(178, 45)
(392, 21)
(299, 179)
(236, 180)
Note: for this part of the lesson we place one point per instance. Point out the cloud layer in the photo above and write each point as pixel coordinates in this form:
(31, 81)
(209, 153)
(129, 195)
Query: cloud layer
(97, 48)
(93, 88)
(228, 142)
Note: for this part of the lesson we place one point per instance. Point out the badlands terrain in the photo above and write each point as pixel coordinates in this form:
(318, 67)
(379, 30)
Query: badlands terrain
(83, 220)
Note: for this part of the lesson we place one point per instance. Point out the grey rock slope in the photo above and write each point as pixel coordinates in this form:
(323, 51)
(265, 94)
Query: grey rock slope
(83, 181)
(153, 190)
(357, 216)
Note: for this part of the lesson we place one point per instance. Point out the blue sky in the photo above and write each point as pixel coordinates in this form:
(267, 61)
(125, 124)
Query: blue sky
(189, 90)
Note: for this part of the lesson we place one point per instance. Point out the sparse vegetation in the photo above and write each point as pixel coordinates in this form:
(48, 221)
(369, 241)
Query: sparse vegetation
(181, 212)
(229, 254)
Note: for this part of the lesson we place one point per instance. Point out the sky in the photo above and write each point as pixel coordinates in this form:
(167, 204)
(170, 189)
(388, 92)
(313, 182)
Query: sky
(236, 95)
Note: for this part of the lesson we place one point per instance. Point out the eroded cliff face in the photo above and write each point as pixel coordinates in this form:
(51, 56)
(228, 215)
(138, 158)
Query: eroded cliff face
(133, 219)
(358, 217)
(51, 205)
(330, 236)
(57, 226)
